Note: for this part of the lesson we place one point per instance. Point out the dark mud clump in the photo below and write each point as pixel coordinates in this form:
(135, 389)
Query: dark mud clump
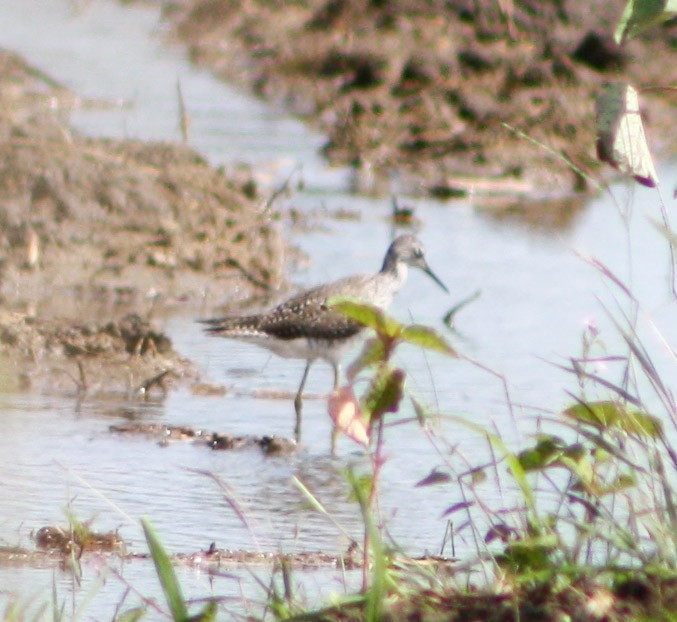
(126, 356)
(92, 230)
(428, 89)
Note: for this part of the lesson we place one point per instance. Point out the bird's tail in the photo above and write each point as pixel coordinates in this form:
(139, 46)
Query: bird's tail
(225, 325)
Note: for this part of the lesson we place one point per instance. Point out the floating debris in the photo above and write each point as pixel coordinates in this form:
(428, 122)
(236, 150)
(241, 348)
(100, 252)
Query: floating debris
(78, 538)
(166, 434)
(403, 215)
(203, 388)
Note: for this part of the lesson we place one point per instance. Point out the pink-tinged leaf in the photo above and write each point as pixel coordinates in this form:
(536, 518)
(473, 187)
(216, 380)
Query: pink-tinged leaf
(344, 409)
(434, 477)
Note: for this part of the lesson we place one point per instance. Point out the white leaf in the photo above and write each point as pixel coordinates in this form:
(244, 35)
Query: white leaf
(620, 134)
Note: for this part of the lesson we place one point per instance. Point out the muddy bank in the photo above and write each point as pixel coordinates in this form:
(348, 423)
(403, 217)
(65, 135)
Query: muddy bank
(85, 358)
(121, 220)
(92, 230)
(422, 90)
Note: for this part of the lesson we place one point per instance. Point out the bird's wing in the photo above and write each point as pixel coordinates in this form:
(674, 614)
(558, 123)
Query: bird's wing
(308, 314)
(305, 315)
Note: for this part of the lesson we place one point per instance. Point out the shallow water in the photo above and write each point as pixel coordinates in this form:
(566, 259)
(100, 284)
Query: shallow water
(537, 297)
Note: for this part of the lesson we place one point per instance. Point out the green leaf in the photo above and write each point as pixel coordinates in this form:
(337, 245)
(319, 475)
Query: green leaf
(426, 338)
(132, 615)
(530, 554)
(373, 352)
(575, 451)
(543, 454)
(550, 451)
(478, 476)
(166, 574)
(208, 614)
(622, 482)
(582, 468)
(422, 413)
(385, 393)
(642, 14)
(368, 315)
(602, 415)
(642, 424)
(607, 415)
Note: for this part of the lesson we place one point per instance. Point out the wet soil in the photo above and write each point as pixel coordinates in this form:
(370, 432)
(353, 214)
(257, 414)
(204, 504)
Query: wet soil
(424, 91)
(55, 544)
(98, 229)
(582, 601)
(70, 356)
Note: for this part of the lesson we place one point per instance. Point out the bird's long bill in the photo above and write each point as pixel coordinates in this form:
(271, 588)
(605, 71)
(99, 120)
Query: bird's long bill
(434, 277)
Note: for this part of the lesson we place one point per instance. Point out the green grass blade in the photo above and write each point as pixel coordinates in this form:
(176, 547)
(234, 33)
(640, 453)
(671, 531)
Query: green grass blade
(166, 574)
(318, 507)
(375, 596)
(513, 461)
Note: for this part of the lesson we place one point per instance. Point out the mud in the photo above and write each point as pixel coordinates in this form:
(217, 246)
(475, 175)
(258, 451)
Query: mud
(445, 96)
(99, 229)
(87, 358)
(56, 545)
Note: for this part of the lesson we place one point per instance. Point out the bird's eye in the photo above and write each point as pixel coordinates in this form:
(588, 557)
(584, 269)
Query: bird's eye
(418, 253)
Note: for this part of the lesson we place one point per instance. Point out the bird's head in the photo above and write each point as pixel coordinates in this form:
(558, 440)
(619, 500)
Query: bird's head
(408, 250)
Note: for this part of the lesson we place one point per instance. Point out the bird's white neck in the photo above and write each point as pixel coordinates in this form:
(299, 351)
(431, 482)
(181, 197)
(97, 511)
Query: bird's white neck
(400, 274)
(388, 282)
